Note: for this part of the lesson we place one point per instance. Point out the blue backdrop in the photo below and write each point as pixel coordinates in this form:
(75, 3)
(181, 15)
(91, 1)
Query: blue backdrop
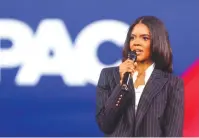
(52, 52)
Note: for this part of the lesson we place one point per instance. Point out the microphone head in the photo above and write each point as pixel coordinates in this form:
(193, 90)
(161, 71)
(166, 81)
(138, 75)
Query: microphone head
(132, 55)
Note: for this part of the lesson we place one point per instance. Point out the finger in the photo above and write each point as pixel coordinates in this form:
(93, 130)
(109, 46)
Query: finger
(130, 65)
(135, 64)
(132, 72)
(127, 61)
(123, 74)
(130, 61)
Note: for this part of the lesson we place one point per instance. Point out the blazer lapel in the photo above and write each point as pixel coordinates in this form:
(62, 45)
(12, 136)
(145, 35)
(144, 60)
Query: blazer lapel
(153, 86)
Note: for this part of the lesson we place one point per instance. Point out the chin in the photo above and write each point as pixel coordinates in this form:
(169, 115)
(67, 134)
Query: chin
(140, 59)
(143, 60)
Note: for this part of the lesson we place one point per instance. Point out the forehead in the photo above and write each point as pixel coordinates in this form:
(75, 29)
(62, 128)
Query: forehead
(140, 28)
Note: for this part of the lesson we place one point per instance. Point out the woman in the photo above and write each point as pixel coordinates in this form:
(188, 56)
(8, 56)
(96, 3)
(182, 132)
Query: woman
(154, 104)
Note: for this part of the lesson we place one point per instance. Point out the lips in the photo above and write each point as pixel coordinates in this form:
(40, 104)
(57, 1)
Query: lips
(138, 51)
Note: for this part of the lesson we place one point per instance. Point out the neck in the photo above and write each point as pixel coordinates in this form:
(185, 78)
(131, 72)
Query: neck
(142, 66)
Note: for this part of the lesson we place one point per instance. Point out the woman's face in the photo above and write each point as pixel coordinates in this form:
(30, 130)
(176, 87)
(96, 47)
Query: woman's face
(140, 41)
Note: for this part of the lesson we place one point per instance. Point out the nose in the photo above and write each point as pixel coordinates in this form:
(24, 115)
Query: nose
(136, 42)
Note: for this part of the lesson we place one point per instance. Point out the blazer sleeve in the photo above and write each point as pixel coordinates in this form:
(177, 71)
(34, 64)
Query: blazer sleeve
(110, 104)
(175, 110)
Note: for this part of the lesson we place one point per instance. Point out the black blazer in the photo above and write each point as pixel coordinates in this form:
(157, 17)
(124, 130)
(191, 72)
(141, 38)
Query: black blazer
(160, 110)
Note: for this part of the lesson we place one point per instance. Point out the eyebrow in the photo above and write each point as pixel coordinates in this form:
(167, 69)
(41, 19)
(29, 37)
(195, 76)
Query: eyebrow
(141, 35)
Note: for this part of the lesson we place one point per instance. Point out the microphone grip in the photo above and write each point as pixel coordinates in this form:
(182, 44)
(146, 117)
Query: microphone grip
(125, 81)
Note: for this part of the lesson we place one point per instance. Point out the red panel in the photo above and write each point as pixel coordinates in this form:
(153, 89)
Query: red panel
(191, 80)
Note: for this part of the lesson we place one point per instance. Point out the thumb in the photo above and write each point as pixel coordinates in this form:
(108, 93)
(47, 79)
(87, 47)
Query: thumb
(135, 64)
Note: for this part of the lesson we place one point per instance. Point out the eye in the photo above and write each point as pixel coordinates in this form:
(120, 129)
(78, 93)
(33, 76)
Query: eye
(145, 38)
(132, 38)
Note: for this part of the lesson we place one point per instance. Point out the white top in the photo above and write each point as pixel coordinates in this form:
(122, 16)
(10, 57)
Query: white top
(140, 88)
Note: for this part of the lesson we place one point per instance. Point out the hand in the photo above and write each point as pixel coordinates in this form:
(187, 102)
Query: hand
(127, 66)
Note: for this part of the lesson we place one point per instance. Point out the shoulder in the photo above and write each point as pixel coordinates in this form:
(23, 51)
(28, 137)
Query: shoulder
(107, 74)
(109, 70)
(173, 79)
(175, 87)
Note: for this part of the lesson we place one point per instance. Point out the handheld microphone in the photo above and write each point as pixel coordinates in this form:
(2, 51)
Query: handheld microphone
(125, 82)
